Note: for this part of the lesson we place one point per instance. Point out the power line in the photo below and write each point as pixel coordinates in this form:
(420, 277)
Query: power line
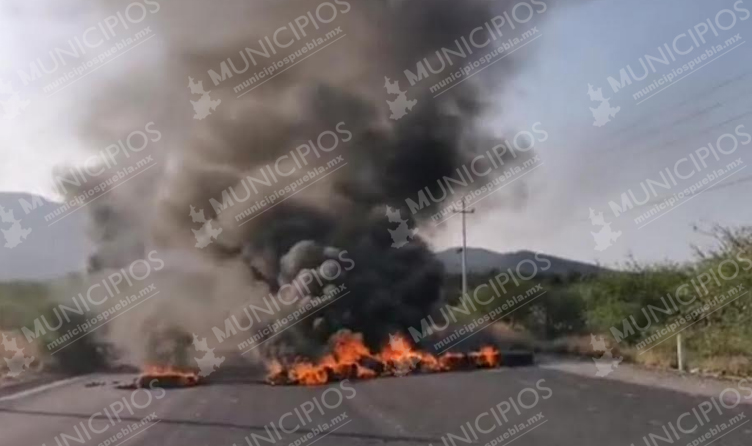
(666, 128)
(730, 183)
(666, 144)
(716, 187)
(670, 107)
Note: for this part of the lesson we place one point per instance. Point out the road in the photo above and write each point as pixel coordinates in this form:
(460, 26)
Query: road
(551, 407)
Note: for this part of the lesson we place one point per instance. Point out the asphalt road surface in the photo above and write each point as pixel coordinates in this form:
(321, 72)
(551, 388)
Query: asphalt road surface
(547, 407)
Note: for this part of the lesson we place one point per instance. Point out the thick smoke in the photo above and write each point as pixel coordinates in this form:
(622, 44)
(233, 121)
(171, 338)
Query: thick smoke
(338, 220)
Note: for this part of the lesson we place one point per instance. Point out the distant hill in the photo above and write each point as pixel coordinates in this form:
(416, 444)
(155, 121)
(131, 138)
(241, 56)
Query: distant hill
(480, 261)
(35, 248)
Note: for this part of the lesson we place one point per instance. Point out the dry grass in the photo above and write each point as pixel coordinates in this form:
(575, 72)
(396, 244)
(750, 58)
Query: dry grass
(655, 358)
(724, 365)
(662, 356)
(507, 337)
(580, 345)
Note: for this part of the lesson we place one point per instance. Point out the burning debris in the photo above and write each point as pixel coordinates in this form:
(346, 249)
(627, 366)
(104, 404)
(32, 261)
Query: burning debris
(351, 359)
(203, 205)
(158, 376)
(163, 377)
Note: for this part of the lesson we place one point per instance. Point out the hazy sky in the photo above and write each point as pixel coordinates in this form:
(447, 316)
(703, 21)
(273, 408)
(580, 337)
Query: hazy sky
(583, 166)
(587, 166)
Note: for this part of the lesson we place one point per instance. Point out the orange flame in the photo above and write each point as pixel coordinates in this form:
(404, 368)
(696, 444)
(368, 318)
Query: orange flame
(486, 357)
(350, 358)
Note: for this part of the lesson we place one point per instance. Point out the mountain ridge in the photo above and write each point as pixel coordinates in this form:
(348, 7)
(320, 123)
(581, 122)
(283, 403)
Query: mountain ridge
(33, 247)
(482, 261)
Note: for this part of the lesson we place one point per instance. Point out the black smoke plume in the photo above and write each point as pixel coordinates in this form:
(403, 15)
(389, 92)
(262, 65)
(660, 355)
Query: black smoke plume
(202, 162)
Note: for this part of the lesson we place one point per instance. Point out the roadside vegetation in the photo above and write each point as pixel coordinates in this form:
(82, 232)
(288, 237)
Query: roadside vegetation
(21, 303)
(639, 310)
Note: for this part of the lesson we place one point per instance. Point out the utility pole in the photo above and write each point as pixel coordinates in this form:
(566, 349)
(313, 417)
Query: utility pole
(464, 212)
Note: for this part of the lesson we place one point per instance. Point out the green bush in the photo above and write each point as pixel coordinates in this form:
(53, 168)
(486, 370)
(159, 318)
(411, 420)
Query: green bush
(575, 306)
